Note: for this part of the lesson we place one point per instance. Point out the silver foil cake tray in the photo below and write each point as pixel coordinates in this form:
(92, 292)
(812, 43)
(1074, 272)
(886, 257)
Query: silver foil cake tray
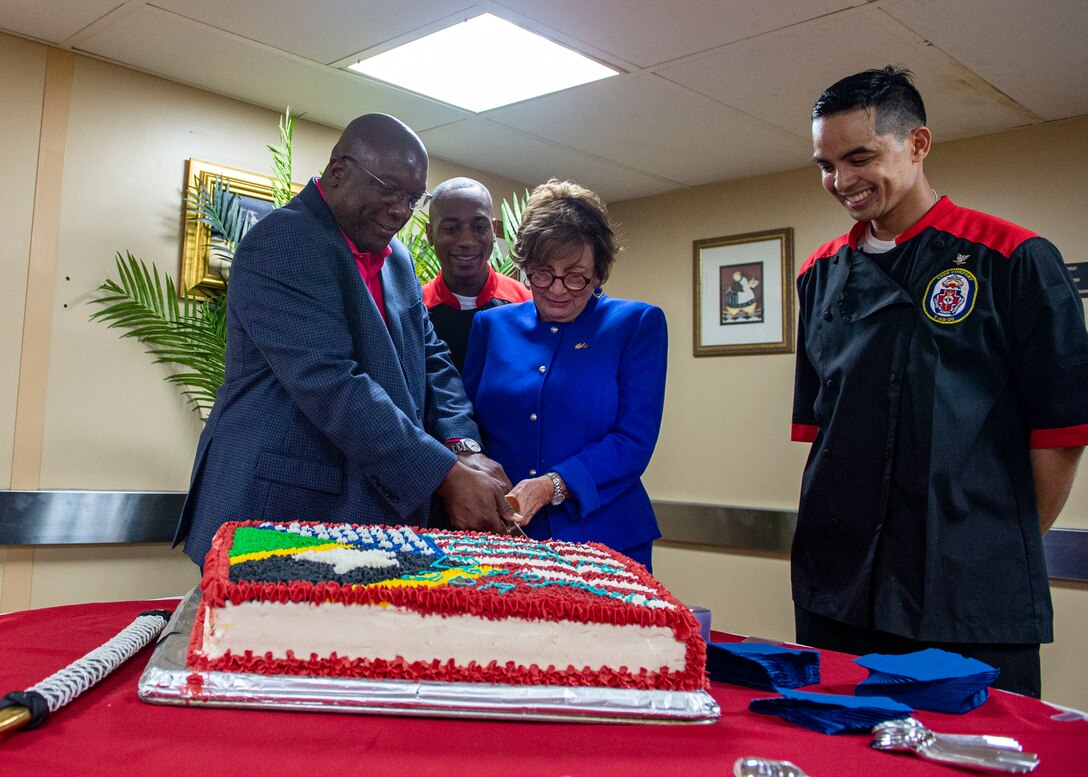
(167, 680)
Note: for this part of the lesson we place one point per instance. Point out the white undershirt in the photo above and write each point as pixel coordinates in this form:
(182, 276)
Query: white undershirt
(871, 244)
(466, 303)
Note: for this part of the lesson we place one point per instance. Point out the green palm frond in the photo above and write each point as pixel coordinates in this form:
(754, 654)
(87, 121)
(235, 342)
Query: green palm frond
(221, 209)
(186, 334)
(511, 211)
(282, 160)
(414, 236)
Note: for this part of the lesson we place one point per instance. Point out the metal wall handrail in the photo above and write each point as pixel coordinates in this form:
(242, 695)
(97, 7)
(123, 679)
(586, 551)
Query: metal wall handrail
(88, 517)
(75, 517)
(747, 530)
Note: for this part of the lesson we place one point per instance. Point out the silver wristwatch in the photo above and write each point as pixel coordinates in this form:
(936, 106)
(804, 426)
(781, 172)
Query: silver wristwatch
(558, 495)
(465, 445)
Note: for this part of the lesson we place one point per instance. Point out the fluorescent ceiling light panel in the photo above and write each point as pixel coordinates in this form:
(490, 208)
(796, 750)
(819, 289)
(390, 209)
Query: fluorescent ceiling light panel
(483, 63)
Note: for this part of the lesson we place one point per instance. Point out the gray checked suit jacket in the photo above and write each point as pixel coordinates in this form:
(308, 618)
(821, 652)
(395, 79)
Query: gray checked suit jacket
(326, 413)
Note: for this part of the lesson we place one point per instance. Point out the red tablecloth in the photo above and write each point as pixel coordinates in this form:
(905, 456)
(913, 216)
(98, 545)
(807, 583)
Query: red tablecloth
(109, 731)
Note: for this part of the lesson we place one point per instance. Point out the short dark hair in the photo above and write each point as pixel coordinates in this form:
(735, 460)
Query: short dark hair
(889, 91)
(457, 184)
(558, 216)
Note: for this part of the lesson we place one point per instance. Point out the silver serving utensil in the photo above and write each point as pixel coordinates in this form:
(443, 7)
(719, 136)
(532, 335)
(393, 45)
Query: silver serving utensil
(979, 752)
(750, 766)
(512, 529)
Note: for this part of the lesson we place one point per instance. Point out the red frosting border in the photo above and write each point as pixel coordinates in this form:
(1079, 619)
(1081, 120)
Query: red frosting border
(561, 604)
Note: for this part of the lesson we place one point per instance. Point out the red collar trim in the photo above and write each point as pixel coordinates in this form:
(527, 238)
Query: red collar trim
(940, 208)
(491, 287)
(856, 233)
(446, 297)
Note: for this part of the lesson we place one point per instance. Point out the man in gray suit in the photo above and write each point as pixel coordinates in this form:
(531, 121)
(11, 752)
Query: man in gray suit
(339, 403)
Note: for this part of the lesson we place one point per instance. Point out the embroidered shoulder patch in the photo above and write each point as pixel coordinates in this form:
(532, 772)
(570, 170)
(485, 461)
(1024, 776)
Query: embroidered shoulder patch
(950, 296)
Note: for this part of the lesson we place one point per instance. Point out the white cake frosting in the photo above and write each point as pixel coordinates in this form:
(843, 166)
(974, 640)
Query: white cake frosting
(390, 632)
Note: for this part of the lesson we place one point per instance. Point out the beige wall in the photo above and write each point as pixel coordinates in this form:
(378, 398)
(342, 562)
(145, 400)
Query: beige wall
(23, 66)
(725, 436)
(105, 418)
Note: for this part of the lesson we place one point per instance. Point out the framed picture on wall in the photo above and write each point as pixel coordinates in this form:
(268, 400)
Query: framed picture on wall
(743, 293)
(201, 268)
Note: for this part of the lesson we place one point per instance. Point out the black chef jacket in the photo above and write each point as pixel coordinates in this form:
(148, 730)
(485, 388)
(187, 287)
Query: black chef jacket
(924, 375)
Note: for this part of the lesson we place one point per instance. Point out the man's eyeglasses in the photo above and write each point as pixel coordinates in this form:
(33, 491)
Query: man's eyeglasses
(391, 195)
(543, 279)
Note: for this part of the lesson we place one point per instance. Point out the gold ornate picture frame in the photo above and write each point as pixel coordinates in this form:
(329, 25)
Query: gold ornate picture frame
(198, 271)
(743, 293)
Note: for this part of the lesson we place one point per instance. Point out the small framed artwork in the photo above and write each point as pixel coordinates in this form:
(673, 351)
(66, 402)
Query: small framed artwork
(744, 293)
(202, 269)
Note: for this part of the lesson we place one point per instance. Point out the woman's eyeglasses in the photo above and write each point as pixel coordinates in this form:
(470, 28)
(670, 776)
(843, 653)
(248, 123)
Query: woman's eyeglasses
(543, 279)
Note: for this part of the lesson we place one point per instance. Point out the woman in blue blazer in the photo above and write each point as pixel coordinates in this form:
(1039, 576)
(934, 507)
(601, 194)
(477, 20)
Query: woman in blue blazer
(569, 390)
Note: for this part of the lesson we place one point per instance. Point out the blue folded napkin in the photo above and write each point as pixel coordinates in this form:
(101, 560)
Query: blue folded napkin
(831, 713)
(760, 665)
(929, 679)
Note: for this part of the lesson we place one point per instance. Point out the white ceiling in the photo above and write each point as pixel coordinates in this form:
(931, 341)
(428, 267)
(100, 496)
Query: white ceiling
(711, 89)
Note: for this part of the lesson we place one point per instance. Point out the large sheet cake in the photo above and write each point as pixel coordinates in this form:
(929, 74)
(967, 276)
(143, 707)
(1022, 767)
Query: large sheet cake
(401, 603)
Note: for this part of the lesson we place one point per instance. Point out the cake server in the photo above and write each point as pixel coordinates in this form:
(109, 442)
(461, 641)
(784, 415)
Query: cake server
(513, 529)
(1000, 754)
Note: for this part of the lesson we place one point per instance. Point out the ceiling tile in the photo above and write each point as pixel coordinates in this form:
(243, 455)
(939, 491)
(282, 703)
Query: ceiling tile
(185, 51)
(647, 123)
(342, 28)
(51, 20)
(648, 32)
(777, 77)
(485, 145)
(1038, 59)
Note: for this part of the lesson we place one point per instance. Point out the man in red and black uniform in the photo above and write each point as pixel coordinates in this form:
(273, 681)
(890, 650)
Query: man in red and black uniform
(942, 377)
(462, 230)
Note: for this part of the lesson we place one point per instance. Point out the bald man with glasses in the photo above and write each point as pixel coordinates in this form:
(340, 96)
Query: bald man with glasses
(339, 402)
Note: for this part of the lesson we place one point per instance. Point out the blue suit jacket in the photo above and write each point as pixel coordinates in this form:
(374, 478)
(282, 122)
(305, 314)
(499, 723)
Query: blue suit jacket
(583, 399)
(326, 413)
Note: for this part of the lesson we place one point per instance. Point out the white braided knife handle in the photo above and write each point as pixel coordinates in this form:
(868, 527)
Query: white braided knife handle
(63, 686)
